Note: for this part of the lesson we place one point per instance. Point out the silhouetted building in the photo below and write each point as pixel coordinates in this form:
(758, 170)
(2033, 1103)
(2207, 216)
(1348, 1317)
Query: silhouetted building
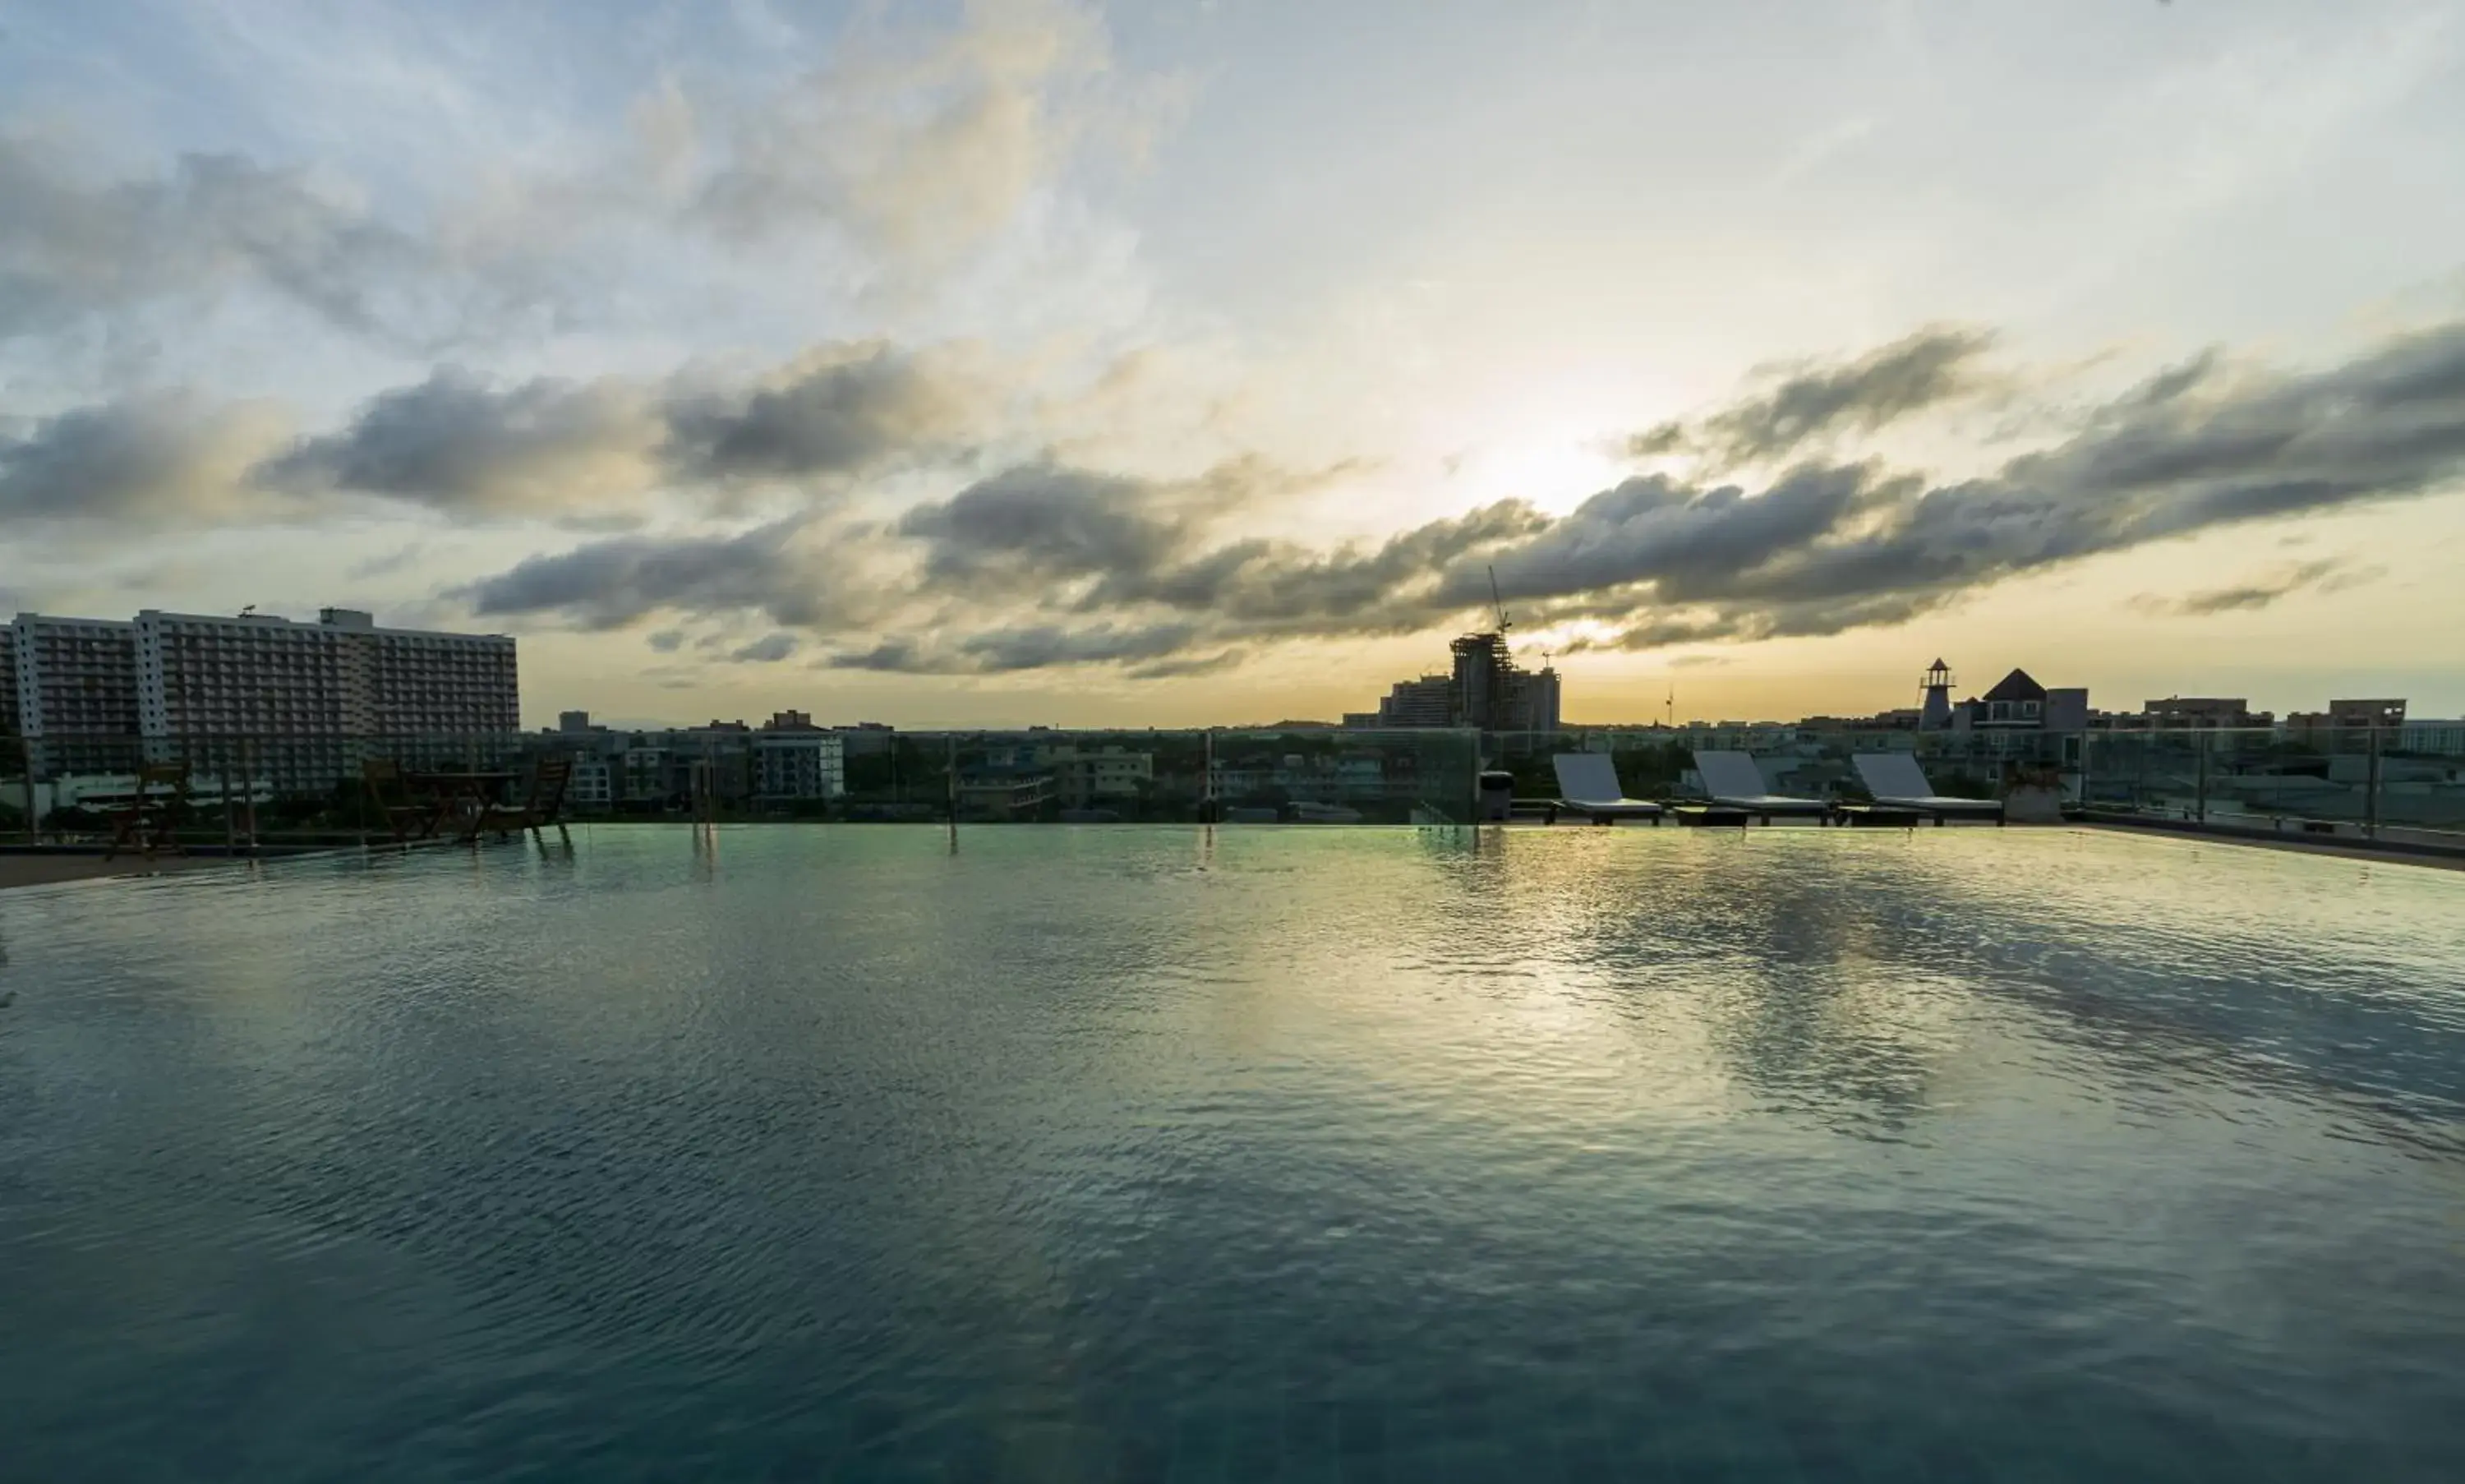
(1486, 689)
(1934, 713)
(2346, 724)
(1428, 701)
(2203, 711)
(2018, 703)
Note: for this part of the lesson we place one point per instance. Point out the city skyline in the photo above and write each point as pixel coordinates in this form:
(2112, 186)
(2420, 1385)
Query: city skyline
(1009, 362)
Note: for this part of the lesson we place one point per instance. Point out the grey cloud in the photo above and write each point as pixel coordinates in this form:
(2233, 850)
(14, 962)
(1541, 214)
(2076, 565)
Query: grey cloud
(2188, 456)
(1660, 530)
(387, 564)
(768, 650)
(2168, 384)
(842, 410)
(456, 442)
(1189, 666)
(1039, 524)
(891, 654)
(1744, 623)
(915, 145)
(667, 641)
(1036, 646)
(462, 444)
(1935, 366)
(166, 456)
(1045, 527)
(1826, 549)
(71, 245)
(2262, 589)
(1059, 566)
(610, 584)
(1049, 644)
(1270, 586)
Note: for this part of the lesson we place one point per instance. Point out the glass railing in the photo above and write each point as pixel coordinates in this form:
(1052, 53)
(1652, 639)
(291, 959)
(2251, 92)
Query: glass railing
(326, 788)
(1659, 763)
(2386, 782)
(2390, 783)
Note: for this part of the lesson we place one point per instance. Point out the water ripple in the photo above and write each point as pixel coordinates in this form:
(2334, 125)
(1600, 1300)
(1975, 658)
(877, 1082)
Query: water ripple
(1162, 1154)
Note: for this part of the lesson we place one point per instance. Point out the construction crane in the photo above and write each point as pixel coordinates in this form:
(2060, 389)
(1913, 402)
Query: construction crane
(1496, 602)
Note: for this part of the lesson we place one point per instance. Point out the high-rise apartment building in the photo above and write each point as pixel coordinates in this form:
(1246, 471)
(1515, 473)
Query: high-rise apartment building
(423, 682)
(76, 693)
(7, 684)
(308, 700)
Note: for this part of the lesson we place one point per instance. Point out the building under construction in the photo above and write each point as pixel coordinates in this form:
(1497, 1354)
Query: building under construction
(1486, 689)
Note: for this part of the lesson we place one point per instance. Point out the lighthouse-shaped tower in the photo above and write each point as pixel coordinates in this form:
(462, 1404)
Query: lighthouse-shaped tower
(1934, 715)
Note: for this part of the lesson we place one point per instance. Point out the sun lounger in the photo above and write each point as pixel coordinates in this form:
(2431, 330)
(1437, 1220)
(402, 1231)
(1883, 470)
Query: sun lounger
(1898, 783)
(1734, 782)
(1588, 785)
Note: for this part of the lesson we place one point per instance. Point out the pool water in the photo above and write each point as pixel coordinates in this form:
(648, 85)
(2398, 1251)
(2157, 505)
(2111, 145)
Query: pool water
(1277, 1153)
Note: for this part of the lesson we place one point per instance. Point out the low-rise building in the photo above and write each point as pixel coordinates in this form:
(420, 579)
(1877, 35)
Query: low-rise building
(867, 739)
(1904, 720)
(101, 791)
(1428, 701)
(592, 784)
(2180, 712)
(1095, 775)
(2346, 725)
(1004, 793)
(2432, 738)
(793, 765)
(643, 775)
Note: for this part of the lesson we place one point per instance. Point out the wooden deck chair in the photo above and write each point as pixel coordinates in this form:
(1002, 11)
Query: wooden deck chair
(543, 806)
(409, 819)
(149, 821)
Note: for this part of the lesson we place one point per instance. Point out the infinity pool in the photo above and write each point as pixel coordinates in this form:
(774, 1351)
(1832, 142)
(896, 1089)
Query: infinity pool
(1124, 1154)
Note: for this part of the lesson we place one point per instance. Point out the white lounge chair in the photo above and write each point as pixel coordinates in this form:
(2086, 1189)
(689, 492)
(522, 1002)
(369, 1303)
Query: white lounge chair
(1898, 783)
(1735, 783)
(1588, 785)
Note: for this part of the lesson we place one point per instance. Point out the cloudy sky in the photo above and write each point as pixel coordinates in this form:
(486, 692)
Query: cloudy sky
(1198, 360)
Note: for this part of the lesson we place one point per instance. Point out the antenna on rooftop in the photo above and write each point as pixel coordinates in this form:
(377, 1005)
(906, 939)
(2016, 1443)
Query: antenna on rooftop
(1497, 602)
(246, 611)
